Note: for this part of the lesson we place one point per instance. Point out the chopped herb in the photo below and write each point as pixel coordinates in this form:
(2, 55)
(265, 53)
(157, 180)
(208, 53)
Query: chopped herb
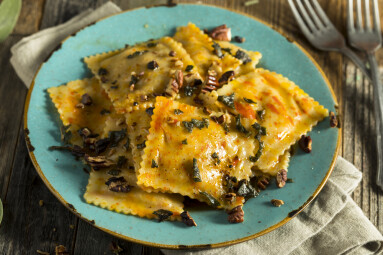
(189, 68)
(228, 50)
(102, 71)
(216, 157)
(246, 190)
(135, 103)
(261, 130)
(261, 114)
(290, 180)
(188, 125)
(121, 161)
(137, 53)
(127, 144)
(226, 77)
(153, 65)
(196, 174)
(247, 100)
(189, 90)
(114, 87)
(197, 82)
(150, 45)
(226, 127)
(66, 134)
(241, 55)
(217, 50)
(149, 111)
(211, 200)
(238, 39)
(116, 137)
(114, 172)
(141, 145)
(227, 100)
(185, 141)
(104, 112)
(154, 164)
(133, 80)
(239, 125)
(162, 214)
(201, 123)
(118, 184)
(101, 145)
(178, 112)
(258, 154)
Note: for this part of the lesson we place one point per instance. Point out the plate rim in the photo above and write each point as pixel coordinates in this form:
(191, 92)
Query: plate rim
(291, 215)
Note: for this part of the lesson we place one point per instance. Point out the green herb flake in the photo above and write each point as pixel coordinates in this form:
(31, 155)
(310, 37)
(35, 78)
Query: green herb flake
(185, 141)
(189, 91)
(261, 114)
(178, 112)
(261, 130)
(241, 55)
(198, 123)
(127, 144)
(239, 125)
(154, 164)
(247, 100)
(189, 68)
(196, 174)
(211, 200)
(137, 53)
(114, 172)
(188, 125)
(133, 80)
(151, 44)
(228, 50)
(141, 145)
(258, 154)
(226, 127)
(227, 100)
(162, 214)
(246, 190)
(116, 137)
(217, 49)
(216, 157)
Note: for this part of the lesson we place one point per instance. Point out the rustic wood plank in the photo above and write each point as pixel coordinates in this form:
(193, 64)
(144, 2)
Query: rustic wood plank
(30, 17)
(27, 226)
(12, 94)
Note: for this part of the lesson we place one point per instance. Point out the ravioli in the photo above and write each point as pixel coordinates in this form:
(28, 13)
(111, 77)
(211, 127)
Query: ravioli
(200, 47)
(287, 111)
(133, 77)
(136, 201)
(171, 148)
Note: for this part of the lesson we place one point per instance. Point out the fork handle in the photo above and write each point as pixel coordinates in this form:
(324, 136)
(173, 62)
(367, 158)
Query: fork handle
(354, 58)
(378, 110)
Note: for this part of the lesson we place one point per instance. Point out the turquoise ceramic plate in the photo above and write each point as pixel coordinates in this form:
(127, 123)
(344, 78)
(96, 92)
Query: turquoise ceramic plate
(65, 178)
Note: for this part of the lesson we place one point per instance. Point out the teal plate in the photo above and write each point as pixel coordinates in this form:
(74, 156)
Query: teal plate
(64, 176)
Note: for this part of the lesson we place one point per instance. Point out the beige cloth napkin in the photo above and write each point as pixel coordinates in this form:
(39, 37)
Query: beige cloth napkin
(331, 224)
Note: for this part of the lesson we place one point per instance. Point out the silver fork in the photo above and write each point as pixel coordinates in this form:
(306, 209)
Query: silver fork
(321, 33)
(369, 39)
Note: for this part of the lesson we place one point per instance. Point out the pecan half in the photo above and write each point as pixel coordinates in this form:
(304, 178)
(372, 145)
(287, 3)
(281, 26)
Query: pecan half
(263, 182)
(211, 82)
(333, 120)
(281, 178)
(187, 219)
(236, 215)
(306, 143)
(118, 184)
(219, 120)
(277, 202)
(179, 76)
(221, 33)
(86, 99)
(173, 87)
(98, 162)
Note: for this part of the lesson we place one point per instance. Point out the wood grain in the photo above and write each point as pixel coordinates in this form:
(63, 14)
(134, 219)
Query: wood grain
(27, 226)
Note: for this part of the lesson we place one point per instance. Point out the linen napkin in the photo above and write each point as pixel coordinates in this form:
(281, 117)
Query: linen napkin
(331, 224)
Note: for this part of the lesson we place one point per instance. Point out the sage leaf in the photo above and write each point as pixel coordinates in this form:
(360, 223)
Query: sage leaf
(9, 13)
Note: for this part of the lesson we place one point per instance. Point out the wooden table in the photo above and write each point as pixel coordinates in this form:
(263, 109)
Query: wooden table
(27, 226)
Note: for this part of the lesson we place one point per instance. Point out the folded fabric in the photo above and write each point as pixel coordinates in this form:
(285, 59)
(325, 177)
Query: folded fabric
(331, 224)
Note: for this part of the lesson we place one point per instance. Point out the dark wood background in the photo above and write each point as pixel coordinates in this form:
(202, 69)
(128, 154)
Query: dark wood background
(28, 227)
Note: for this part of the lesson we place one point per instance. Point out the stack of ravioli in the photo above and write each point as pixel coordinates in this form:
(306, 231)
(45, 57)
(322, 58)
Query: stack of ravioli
(181, 116)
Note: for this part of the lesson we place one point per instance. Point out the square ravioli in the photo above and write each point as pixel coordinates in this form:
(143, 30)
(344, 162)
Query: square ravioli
(190, 154)
(219, 56)
(114, 161)
(277, 104)
(134, 76)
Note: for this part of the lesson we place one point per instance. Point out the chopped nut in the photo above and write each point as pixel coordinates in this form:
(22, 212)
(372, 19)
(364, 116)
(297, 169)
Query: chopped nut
(187, 219)
(172, 53)
(179, 64)
(120, 121)
(41, 203)
(230, 197)
(80, 106)
(198, 100)
(179, 76)
(86, 99)
(61, 250)
(277, 202)
(239, 39)
(98, 162)
(236, 215)
(219, 120)
(281, 178)
(211, 82)
(226, 77)
(144, 98)
(333, 120)
(118, 184)
(306, 143)
(207, 111)
(173, 87)
(131, 88)
(263, 182)
(153, 65)
(221, 33)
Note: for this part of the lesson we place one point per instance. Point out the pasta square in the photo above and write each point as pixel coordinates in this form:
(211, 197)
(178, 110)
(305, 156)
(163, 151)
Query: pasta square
(205, 154)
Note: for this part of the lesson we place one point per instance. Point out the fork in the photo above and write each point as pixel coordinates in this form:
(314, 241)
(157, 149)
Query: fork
(321, 33)
(369, 39)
